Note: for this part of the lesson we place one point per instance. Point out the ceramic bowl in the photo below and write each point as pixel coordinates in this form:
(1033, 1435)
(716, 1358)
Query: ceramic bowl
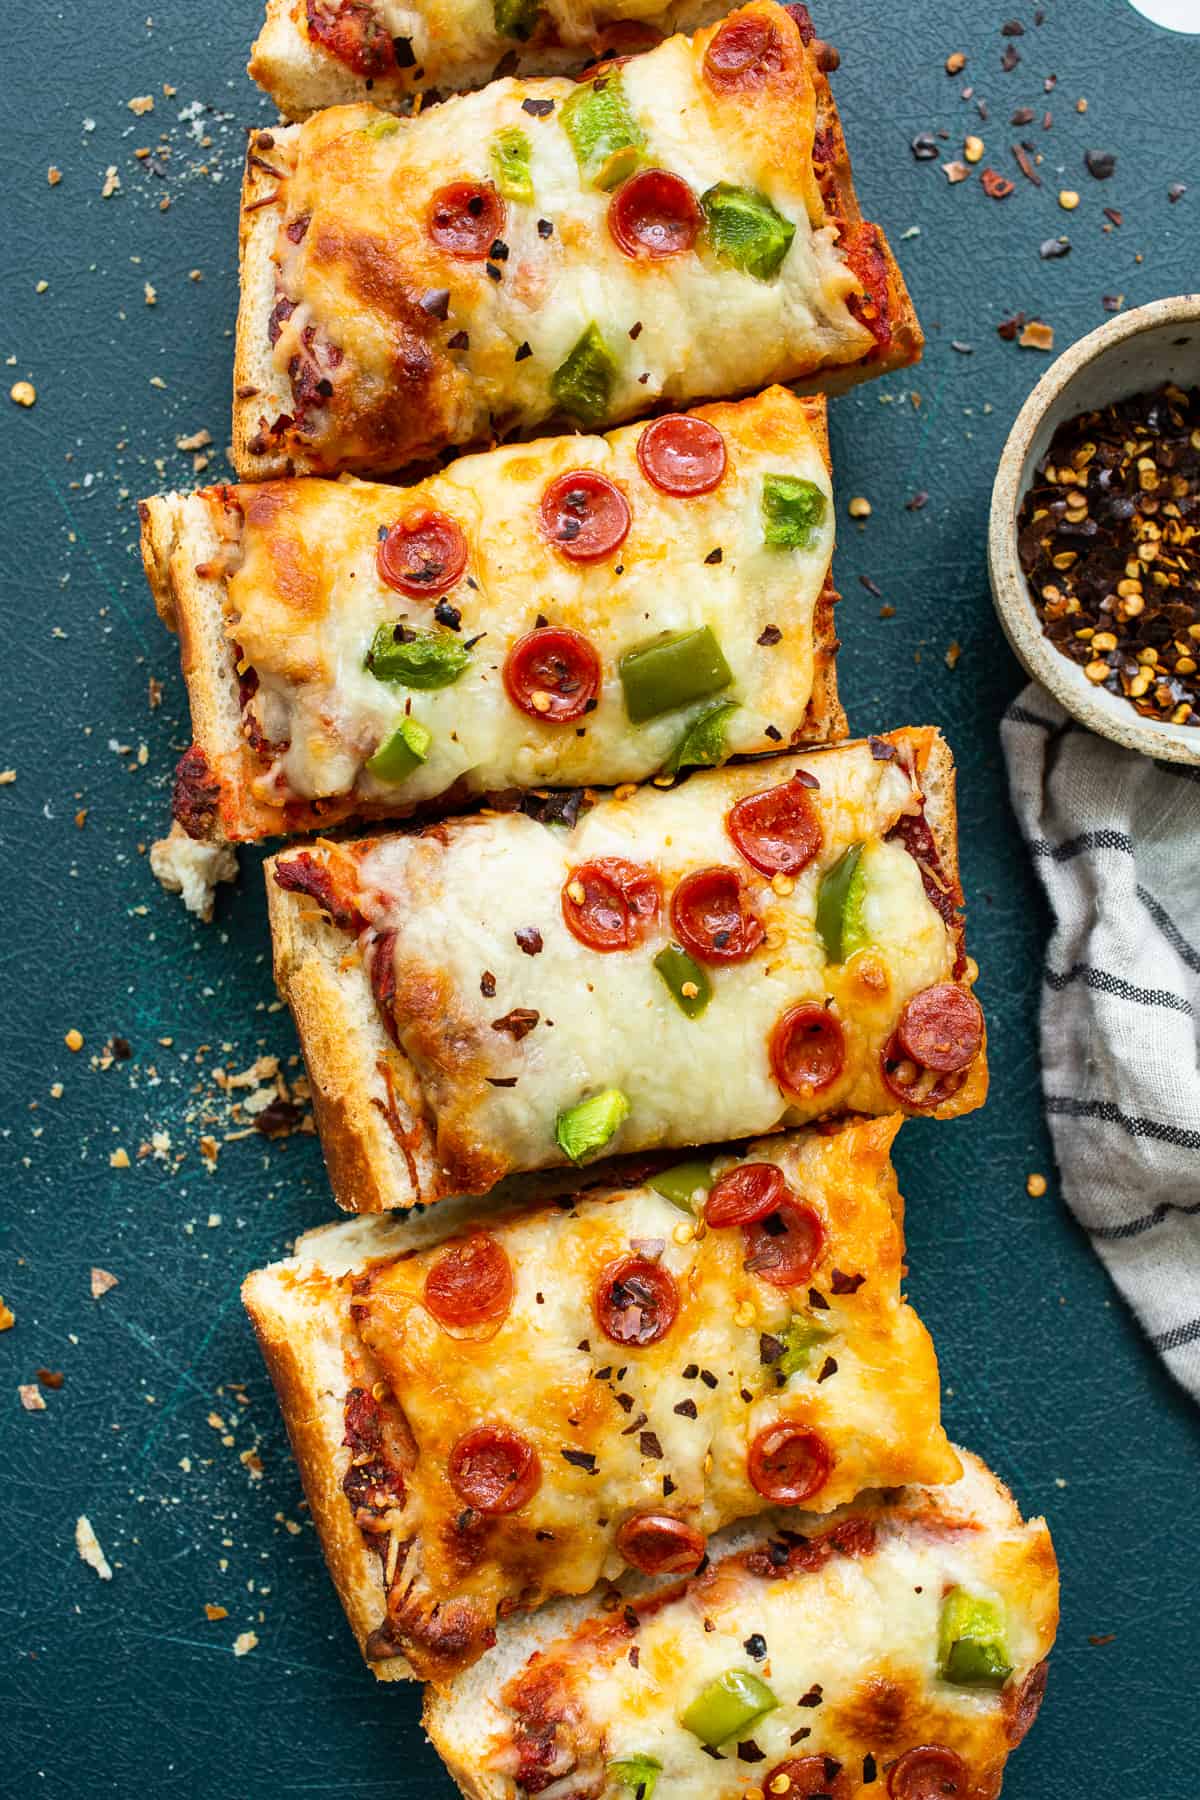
(1131, 354)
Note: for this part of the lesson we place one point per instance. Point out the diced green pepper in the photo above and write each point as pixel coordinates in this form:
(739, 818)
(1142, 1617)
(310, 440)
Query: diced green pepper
(511, 153)
(972, 1648)
(792, 510)
(840, 901)
(801, 1337)
(638, 1773)
(419, 659)
(404, 751)
(585, 1128)
(682, 1183)
(689, 986)
(744, 229)
(672, 670)
(732, 1703)
(605, 136)
(583, 384)
(381, 128)
(703, 742)
(515, 18)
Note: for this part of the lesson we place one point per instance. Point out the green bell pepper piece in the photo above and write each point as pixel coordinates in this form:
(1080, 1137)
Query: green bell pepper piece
(745, 229)
(605, 136)
(381, 128)
(972, 1647)
(681, 1183)
(640, 1773)
(801, 1337)
(733, 1703)
(678, 970)
(511, 153)
(400, 754)
(703, 742)
(672, 670)
(583, 384)
(840, 900)
(792, 509)
(420, 659)
(515, 18)
(586, 1127)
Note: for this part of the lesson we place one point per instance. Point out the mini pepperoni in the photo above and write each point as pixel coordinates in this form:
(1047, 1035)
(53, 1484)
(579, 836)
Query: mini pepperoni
(585, 517)
(654, 214)
(861, 251)
(636, 1301)
(785, 1246)
(611, 904)
(941, 1028)
(682, 455)
(777, 830)
(552, 674)
(808, 1050)
(745, 53)
(470, 1283)
(1022, 1704)
(745, 1194)
(465, 219)
(788, 1463)
(494, 1470)
(423, 554)
(930, 1772)
(708, 918)
(804, 1777)
(661, 1544)
(914, 1086)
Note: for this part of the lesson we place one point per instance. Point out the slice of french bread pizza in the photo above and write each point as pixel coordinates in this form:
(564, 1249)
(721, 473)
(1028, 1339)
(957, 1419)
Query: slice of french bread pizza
(757, 947)
(354, 650)
(897, 1652)
(681, 225)
(520, 1403)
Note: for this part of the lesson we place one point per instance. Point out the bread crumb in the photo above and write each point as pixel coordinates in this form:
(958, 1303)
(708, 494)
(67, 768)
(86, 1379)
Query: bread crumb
(22, 392)
(213, 1613)
(7, 777)
(973, 149)
(1037, 336)
(102, 1283)
(955, 171)
(953, 652)
(197, 441)
(956, 62)
(7, 1316)
(88, 1546)
(53, 175)
(192, 869)
(244, 1642)
(141, 103)
(31, 1396)
(112, 182)
(1035, 1186)
(860, 507)
(151, 293)
(119, 1158)
(73, 1039)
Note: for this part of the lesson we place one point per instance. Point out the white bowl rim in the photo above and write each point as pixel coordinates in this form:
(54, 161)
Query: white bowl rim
(1010, 590)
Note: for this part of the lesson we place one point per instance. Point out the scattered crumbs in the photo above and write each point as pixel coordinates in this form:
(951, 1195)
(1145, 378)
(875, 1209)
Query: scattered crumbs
(53, 175)
(956, 62)
(73, 1039)
(7, 1317)
(102, 1283)
(1068, 199)
(88, 1546)
(859, 507)
(31, 1396)
(112, 182)
(1036, 335)
(119, 1158)
(953, 652)
(23, 393)
(955, 171)
(7, 777)
(244, 1642)
(887, 612)
(1035, 1185)
(141, 103)
(214, 1613)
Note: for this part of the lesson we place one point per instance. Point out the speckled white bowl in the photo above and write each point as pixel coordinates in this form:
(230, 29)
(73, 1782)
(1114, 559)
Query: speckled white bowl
(1130, 354)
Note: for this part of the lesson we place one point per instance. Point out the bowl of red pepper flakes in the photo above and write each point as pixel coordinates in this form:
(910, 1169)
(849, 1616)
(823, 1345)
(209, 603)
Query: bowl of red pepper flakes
(1094, 537)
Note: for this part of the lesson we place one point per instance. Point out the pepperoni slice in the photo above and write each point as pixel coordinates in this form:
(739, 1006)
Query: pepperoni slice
(423, 554)
(708, 920)
(743, 56)
(808, 1050)
(611, 904)
(941, 1028)
(788, 1463)
(636, 1301)
(777, 830)
(915, 1087)
(745, 1194)
(861, 252)
(682, 455)
(349, 30)
(465, 218)
(553, 675)
(585, 517)
(661, 1544)
(785, 1246)
(654, 214)
(803, 1777)
(494, 1470)
(1022, 1708)
(470, 1283)
(929, 1772)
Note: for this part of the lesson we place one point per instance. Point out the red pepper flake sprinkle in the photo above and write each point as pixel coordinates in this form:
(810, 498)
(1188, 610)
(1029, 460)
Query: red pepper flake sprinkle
(995, 185)
(1110, 545)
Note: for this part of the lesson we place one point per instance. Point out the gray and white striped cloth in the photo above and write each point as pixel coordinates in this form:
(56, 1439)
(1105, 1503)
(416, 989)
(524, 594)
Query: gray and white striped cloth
(1115, 839)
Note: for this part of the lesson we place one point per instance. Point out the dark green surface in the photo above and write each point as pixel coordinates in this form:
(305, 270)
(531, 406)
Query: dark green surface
(124, 1688)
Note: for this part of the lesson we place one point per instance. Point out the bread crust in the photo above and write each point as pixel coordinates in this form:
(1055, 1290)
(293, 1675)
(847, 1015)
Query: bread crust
(377, 1134)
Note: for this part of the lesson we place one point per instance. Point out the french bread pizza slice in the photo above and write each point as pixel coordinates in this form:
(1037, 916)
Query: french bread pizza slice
(680, 225)
(522, 1403)
(757, 947)
(355, 650)
(895, 1652)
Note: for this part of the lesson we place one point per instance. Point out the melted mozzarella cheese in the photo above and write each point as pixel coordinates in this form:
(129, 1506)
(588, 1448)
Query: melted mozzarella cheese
(307, 599)
(608, 1020)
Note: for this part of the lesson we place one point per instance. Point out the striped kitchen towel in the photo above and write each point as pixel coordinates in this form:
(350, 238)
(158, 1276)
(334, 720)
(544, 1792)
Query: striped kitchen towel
(1115, 839)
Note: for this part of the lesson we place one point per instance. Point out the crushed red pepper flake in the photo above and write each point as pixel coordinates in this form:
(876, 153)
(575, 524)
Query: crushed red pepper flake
(995, 185)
